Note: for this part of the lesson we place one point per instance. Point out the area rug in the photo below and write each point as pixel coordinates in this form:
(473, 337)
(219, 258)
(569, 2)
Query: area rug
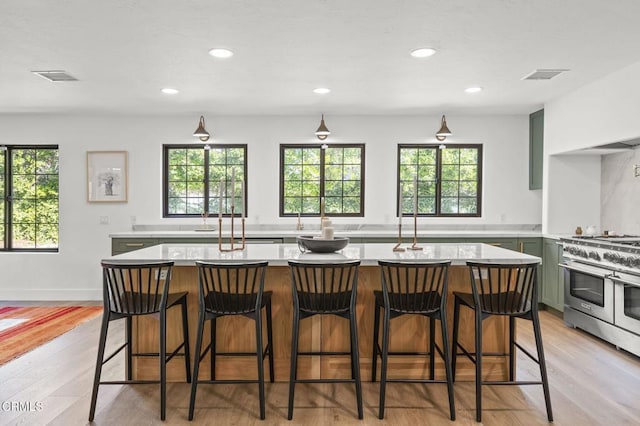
(23, 329)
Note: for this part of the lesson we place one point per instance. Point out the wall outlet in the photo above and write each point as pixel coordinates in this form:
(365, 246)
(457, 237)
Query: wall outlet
(163, 274)
(104, 220)
(133, 220)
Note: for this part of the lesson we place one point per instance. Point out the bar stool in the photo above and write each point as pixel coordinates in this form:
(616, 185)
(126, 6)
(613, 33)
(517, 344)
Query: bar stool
(412, 289)
(139, 289)
(507, 290)
(325, 289)
(233, 289)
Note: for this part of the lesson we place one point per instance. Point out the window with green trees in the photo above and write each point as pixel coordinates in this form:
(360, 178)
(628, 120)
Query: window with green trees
(204, 179)
(29, 190)
(439, 180)
(329, 174)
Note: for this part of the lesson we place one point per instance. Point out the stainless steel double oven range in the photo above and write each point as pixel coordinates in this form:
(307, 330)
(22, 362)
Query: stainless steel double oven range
(602, 288)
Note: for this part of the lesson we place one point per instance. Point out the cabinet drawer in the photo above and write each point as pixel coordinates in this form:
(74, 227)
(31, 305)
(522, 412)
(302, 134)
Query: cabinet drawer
(124, 245)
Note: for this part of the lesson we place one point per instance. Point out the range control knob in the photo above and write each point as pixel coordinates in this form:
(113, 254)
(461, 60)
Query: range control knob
(635, 262)
(594, 255)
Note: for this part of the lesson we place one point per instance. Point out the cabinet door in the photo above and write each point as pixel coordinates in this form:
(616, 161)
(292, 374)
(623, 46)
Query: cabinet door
(532, 246)
(552, 289)
(536, 146)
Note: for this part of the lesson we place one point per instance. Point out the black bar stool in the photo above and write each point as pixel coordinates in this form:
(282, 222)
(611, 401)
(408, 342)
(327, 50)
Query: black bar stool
(325, 289)
(501, 289)
(139, 289)
(412, 289)
(233, 289)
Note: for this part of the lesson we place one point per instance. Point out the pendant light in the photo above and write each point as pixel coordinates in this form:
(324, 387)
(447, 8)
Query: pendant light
(322, 131)
(444, 130)
(201, 132)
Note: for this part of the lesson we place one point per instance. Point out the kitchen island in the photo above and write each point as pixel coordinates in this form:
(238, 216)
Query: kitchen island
(320, 333)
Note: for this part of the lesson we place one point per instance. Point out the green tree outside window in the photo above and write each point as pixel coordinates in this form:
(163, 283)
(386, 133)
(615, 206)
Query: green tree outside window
(194, 176)
(445, 181)
(29, 187)
(310, 173)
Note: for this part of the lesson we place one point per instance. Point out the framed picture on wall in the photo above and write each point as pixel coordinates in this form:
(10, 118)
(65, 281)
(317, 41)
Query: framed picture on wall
(107, 176)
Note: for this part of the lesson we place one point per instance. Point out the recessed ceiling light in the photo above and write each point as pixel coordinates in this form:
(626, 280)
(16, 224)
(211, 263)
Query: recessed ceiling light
(473, 89)
(423, 52)
(169, 91)
(321, 90)
(220, 53)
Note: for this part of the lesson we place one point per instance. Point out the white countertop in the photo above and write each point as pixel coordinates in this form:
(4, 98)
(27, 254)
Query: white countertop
(369, 254)
(279, 233)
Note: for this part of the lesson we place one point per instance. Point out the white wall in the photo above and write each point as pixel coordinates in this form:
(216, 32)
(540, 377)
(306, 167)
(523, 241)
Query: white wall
(573, 193)
(601, 112)
(73, 273)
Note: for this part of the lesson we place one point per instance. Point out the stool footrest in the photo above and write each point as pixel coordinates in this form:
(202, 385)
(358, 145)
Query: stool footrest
(511, 383)
(324, 381)
(130, 382)
(324, 353)
(414, 381)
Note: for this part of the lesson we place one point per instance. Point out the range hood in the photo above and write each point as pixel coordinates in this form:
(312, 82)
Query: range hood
(628, 144)
(609, 148)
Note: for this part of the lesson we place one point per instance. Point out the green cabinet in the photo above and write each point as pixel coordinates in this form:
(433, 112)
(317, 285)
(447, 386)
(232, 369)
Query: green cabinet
(536, 146)
(532, 246)
(124, 245)
(552, 289)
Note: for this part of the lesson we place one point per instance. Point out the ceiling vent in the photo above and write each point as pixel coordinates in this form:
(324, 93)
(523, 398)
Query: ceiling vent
(543, 74)
(55, 76)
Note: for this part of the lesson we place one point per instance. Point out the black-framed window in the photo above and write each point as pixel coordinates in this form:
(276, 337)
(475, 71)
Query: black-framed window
(29, 188)
(324, 174)
(205, 179)
(440, 180)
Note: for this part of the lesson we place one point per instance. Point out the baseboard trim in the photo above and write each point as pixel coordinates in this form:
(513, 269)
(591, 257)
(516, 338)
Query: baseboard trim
(50, 294)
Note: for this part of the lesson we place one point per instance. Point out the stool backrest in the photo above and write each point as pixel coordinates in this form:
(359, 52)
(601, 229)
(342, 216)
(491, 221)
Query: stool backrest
(324, 287)
(414, 287)
(135, 288)
(231, 288)
(509, 289)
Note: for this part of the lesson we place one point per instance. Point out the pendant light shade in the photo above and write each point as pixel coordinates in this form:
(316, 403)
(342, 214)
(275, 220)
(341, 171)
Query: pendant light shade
(444, 130)
(201, 132)
(322, 131)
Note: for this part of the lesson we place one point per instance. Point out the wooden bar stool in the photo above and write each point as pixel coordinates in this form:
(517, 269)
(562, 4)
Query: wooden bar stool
(507, 290)
(140, 289)
(233, 289)
(325, 289)
(412, 289)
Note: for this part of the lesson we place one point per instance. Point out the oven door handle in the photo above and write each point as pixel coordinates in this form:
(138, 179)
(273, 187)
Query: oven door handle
(584, 271)
(626, 283)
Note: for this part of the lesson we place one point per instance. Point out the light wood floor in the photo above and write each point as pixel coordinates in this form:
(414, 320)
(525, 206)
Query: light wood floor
(591, 384)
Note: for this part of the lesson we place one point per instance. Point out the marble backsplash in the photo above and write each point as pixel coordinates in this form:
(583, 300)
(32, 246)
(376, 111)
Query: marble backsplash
(620, 192)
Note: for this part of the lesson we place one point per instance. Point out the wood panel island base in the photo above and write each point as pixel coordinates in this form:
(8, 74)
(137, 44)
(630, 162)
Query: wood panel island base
(327, 333)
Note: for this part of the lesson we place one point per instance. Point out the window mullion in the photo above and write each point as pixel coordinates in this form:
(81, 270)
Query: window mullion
(8, 206)
(206, 182)
(438, 181)
(322, 174)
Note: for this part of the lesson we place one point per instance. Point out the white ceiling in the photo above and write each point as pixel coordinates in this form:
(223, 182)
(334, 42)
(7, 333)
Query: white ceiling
(124, 51)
